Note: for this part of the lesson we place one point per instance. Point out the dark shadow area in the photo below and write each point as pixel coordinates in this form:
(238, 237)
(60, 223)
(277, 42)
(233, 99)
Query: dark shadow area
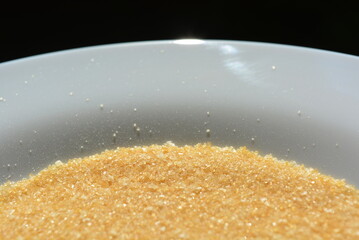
(28, 28)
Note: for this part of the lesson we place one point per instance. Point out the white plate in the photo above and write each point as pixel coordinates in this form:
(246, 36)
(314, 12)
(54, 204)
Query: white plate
(296, 103)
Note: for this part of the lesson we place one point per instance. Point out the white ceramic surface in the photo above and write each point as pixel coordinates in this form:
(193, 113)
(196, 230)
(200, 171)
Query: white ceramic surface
(296, 103)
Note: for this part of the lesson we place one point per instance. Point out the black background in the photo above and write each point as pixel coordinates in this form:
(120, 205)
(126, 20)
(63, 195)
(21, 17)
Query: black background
(29, 29)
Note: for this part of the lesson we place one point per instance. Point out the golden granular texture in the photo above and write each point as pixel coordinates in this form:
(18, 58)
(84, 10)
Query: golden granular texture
(170, 192)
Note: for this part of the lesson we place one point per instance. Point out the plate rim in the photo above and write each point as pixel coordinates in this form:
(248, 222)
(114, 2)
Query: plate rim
(175, 42)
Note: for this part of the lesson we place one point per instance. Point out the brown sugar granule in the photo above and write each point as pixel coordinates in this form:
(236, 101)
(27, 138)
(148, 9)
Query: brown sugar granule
(170, 192)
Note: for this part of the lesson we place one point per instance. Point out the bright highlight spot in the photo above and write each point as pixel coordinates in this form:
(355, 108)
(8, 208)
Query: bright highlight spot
(188, 41)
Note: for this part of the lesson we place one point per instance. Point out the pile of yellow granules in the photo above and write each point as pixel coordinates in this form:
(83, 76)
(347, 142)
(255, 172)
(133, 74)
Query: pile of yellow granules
(170, 192)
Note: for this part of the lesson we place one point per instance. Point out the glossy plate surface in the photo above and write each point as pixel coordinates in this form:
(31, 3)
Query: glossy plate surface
(296, 103)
